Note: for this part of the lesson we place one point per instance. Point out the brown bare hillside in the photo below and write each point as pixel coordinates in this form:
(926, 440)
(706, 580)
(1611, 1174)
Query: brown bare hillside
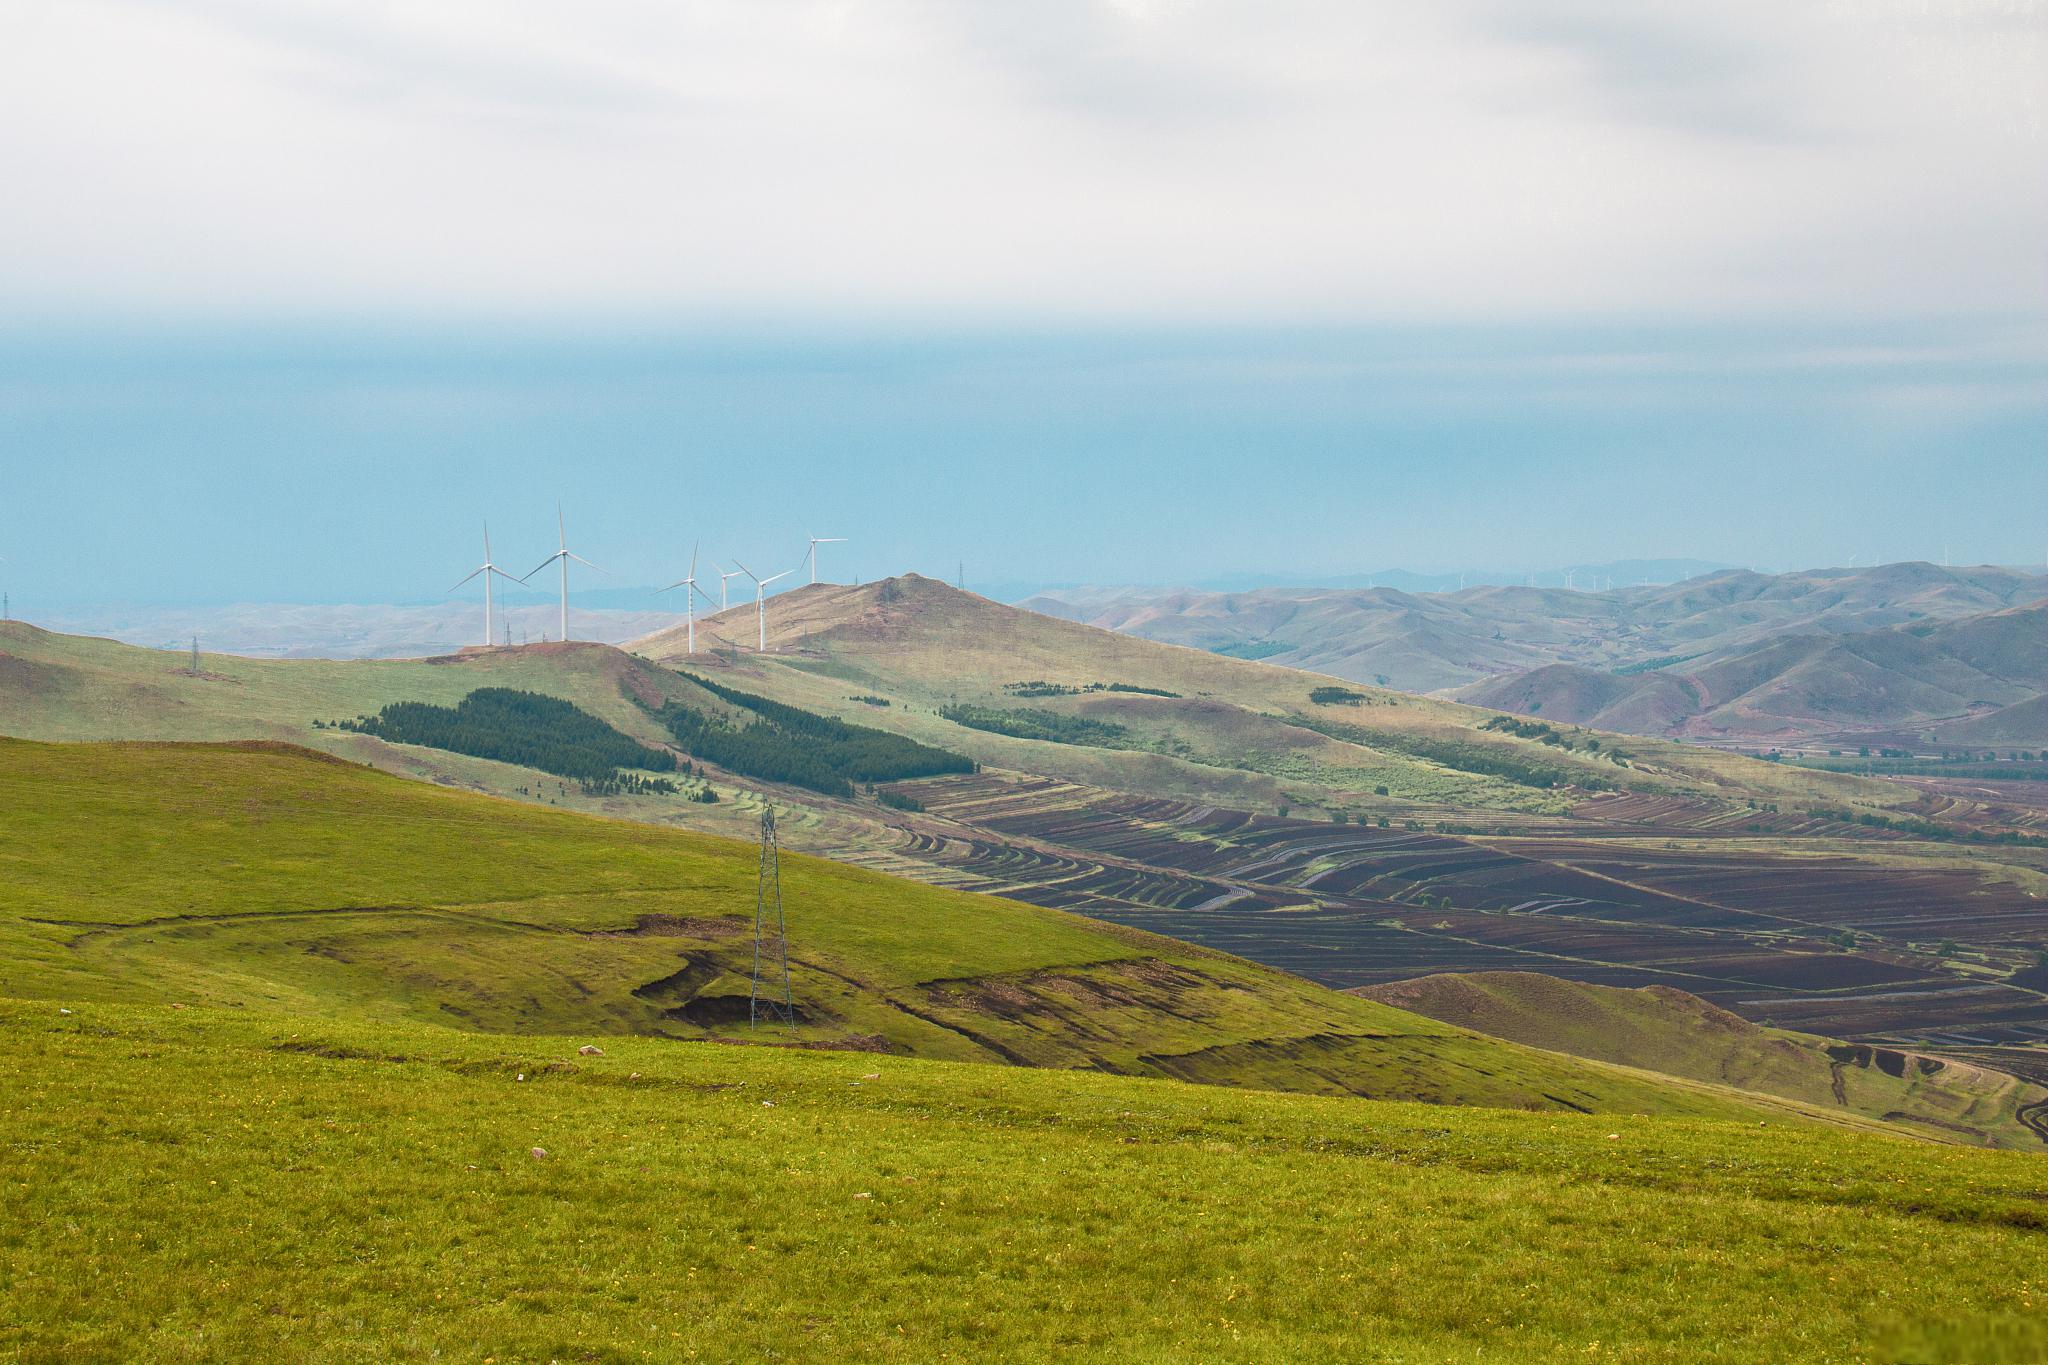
(1659, 1028)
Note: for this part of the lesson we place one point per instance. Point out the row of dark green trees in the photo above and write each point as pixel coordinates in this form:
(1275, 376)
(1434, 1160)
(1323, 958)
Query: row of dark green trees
(784, 743)
(526, 728)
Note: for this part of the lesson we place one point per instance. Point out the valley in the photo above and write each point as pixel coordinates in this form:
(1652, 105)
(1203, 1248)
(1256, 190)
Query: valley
(1353, 841)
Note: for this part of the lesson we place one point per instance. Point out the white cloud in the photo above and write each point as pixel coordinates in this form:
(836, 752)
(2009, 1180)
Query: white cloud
(1070, 159)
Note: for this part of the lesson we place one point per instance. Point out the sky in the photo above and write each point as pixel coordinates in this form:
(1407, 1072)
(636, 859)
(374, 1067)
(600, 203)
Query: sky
(295, 295)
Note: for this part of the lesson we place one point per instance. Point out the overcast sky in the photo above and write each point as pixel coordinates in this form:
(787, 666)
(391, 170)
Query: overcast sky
(1515, 242)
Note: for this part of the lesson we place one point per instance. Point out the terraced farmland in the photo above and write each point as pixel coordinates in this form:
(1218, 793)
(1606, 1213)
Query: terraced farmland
(1940, 952)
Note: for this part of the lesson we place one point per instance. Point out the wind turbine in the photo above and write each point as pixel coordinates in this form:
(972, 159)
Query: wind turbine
(761, 602)
(816, 541)
(723, 575)
(562, 557)
(487, 568)
(690, 600)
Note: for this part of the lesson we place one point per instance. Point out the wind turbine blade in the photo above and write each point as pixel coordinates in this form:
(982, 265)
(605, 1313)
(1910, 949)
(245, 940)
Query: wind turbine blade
(831, 540)
(703, 594)
(502, 574)
(693, 562)
(764, 582)
(584, 562)
(747, 571)
(472, 574)
(677, 584)
(542, 565)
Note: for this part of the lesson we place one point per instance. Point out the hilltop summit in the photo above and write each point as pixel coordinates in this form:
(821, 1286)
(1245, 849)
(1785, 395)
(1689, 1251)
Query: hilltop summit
(888, 608)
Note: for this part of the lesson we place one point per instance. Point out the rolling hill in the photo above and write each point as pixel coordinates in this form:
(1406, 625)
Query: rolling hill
(273, 878)
(1935, 682)
(1661, 1029)
(1181, 722)
(1348, 835)
(1438, 641)
(305, 1061)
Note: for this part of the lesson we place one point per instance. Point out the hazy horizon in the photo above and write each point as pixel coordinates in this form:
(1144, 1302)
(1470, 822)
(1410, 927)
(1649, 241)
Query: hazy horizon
(298, 295)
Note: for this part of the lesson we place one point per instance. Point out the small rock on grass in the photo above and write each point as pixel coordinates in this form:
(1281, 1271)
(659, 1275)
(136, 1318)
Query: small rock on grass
(539, 1154)
(589, 1050)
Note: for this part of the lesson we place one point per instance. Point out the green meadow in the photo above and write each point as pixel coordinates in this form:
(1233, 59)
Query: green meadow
(295, 1068)
(263, 877)
(217, 1184)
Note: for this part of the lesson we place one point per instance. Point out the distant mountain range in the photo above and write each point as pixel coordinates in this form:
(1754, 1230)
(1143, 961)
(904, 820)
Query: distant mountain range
(1974, 681)
(1947, 654)
(1590, 577)
(287, 630)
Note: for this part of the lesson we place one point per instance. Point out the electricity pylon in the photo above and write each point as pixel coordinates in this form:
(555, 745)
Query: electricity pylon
(770, 999)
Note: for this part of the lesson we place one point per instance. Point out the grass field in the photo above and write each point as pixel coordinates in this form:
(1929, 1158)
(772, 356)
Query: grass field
(274, 879)
(213, 1184)
(283, 1035)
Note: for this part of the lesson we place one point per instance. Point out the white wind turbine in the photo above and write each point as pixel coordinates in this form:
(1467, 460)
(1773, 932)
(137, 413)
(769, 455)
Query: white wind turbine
(487, 568)
(690, 601)
(761, 602)
(816, 541)
(562, 557)
(723, 575)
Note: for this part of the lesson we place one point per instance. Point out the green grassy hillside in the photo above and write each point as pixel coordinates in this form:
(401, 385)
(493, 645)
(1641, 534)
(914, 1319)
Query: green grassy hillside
(220, 1184)
(263, 877)
(73, 687)
(68, 687)
(1661, 1029)
(1234, 730)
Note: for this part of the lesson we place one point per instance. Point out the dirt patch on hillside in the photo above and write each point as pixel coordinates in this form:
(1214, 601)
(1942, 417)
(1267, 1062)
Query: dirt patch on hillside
(1072, 997)
(31, 676)
(713, 927)
(641, 689)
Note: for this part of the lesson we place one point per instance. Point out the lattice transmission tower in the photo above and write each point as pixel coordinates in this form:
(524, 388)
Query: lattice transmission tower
(770, 999)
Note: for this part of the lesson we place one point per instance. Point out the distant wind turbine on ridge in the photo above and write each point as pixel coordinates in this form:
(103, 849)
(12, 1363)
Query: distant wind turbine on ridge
(812, 555)
(690, 601)
(761, 602)
(487, 568)
(562, 557)
(723, 575)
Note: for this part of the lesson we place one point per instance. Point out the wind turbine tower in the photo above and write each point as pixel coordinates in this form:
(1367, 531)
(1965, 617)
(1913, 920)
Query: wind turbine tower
(816, 541)
(761, 602)
(562, 557)
(723, 575)
(690, 603)
(487, 568)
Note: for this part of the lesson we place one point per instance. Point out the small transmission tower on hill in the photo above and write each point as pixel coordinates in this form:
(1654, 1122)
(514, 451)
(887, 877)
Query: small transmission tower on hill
(770, 999)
